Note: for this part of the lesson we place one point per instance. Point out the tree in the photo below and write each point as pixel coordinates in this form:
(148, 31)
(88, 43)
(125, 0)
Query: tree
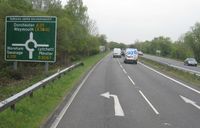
(77, 34)
(44, 5)
(193, 40)
(77, 11)
(180, 50)
(10, 7)
(163, 44)
(102, 39)
(113, 45)
(92, 27)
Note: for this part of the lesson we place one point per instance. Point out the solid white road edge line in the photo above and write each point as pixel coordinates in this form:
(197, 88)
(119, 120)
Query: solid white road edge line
(131, 80)
(176, 81)
(154, 109)
(60, 116)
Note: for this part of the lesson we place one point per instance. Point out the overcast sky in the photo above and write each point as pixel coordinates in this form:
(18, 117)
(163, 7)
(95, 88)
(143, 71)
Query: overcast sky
(129, 20)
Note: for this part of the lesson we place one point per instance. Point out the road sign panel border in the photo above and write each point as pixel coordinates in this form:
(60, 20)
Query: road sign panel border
(54, 60)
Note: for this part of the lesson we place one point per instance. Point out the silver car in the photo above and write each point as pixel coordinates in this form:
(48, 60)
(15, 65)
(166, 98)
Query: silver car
(190, 62)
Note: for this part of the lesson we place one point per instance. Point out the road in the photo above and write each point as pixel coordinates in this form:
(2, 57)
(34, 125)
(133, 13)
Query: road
(174, 63)
(118, 95)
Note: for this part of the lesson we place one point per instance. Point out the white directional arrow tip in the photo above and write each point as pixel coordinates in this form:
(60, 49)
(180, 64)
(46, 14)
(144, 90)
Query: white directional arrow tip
(190, 102)
(187, 100)
(106, 95)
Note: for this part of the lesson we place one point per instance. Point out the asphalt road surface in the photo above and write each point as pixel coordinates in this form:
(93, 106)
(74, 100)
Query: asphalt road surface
(118, 95)
(174, 63)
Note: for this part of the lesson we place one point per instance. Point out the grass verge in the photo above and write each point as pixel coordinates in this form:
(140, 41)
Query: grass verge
(32, 112)
(16, 86)
(186, 77)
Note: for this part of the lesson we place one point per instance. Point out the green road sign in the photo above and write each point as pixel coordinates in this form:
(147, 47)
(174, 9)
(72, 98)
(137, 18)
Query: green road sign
(30, 38)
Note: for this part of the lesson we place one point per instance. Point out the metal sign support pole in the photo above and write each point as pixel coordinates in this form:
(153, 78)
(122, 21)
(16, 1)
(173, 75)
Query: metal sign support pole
(15, 65)
(46, 67)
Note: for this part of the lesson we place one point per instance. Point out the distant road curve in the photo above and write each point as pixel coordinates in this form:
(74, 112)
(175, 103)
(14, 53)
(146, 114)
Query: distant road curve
(174, 63)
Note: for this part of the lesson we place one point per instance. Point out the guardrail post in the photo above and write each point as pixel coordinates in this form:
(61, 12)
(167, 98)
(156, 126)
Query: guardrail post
(44, 86)
(52, 80)
(11, 101)
(31, 94)
(13, 107)
(59, 76)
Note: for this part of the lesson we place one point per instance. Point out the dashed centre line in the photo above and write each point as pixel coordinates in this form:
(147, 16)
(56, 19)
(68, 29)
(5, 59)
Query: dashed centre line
(131, 80)
(124, 71)
(150, 104)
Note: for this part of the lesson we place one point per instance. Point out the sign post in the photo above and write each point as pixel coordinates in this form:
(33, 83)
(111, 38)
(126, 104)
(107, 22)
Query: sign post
(46, 68)
(15, 65)
(30, 38)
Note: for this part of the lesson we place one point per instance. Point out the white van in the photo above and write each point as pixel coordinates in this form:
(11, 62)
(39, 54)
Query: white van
(117, 52)
(131, 55)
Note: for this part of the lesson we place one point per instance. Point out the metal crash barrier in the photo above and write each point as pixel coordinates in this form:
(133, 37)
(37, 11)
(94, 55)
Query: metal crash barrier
(11, 101)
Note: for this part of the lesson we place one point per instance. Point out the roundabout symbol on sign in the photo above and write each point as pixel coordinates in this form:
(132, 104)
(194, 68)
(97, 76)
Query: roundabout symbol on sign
(26, 45)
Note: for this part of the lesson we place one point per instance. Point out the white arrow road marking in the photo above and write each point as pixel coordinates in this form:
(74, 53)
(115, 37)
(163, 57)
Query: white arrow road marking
(64, 110)
(118, 109)
(190, 102)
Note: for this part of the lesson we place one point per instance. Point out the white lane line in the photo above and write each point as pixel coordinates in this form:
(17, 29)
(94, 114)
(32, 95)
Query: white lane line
(122, 67)
(176, 81)
(60, 116)
(124, 71)
(118, 61)
(131, 80)
(154, 109)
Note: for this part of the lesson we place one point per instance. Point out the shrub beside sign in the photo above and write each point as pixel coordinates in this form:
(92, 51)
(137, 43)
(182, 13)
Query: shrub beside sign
(30, 38)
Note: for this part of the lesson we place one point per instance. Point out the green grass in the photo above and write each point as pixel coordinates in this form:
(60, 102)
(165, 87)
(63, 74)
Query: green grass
(18, 85)
(31, 112)
(186, 77)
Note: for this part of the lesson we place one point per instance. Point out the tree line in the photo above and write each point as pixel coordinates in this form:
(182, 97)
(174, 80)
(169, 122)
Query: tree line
(77, 34)
(188, 45)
